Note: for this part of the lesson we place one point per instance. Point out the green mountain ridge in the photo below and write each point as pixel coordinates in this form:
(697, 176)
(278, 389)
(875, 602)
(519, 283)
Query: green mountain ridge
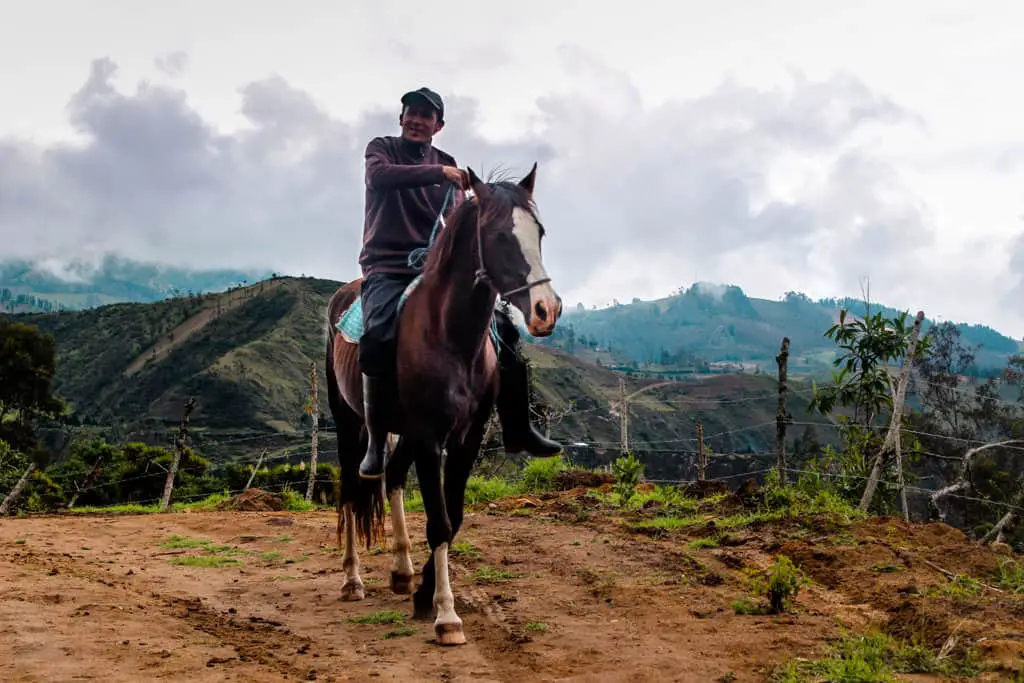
(724, 325)
(697, 329)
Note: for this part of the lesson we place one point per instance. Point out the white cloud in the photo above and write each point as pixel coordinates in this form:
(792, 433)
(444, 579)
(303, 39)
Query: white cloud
(775, 153)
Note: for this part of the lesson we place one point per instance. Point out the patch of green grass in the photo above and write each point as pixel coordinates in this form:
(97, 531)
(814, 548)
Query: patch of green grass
(887, 568)
(178, 541)
(211, 502)
(958, 586)
(388, 616)
(707, 542)
(792, 505)
(539, 473)
(873, 658)
(403, 632)
(271, 555)
(487, 489)
(205, 561)
(209, 554)
(1011, 576)
(487, 575)
(20, 541)
(465, 550)
(536, 627)
(294, 502)
(125, 509)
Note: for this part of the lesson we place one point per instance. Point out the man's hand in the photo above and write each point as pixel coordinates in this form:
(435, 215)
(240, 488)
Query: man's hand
(457, 176)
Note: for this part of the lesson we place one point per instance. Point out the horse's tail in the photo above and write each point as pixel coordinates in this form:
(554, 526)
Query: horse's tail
(369, 511)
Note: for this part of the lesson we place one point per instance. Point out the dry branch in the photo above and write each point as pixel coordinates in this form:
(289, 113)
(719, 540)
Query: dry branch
(15, 493)
(963, 481)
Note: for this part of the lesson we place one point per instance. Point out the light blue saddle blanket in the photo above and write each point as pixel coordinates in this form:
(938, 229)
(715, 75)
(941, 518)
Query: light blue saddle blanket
(350, 324)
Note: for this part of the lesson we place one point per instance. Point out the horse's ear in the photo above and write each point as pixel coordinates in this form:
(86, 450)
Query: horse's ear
(479, 187)
(527, 182)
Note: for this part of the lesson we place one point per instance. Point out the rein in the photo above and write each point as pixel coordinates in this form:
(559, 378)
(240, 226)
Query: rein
(418, 256)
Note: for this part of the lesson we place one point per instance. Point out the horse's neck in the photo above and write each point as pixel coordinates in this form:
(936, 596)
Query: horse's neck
(463, 307)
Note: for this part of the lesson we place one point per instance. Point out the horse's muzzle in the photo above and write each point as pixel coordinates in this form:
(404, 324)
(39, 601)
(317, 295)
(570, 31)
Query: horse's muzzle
(545, 310)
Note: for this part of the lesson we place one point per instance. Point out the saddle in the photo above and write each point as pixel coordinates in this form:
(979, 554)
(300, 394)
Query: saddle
(350, 324)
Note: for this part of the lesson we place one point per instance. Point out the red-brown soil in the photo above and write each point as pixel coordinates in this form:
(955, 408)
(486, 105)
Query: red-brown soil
(98, 598)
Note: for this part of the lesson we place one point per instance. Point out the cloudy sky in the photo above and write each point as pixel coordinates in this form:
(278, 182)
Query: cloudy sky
(778, 146)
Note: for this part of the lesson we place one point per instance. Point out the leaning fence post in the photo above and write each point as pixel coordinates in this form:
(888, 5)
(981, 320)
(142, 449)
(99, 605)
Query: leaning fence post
(179, 451)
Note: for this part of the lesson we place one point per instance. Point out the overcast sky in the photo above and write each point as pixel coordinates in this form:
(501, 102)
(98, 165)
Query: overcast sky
(792, 145)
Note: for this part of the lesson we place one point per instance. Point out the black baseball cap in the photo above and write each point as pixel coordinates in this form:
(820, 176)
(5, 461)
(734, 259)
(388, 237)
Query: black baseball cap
(431, 97)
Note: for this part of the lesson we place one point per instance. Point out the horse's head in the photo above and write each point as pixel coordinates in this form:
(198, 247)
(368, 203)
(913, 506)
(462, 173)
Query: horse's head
(511, 235)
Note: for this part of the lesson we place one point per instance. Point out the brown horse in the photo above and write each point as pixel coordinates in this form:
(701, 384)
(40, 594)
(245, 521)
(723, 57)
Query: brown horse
(446, 382)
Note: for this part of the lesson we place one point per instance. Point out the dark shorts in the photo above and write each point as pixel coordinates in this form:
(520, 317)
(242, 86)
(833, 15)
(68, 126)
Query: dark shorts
(380, 294)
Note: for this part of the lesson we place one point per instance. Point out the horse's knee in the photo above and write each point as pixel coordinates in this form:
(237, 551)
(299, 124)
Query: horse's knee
(438, 532)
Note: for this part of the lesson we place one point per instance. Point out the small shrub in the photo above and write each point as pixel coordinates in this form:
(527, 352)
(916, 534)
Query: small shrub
(627, 470)
(780, 584)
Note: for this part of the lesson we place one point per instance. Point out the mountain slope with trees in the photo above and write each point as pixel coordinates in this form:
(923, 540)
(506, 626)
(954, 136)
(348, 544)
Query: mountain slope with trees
(711, 323)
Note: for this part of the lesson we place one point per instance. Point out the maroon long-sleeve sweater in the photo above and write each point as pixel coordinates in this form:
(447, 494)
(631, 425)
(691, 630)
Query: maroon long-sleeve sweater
(405, 188)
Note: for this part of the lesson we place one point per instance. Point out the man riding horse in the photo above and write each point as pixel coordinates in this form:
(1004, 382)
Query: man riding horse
(409, 184)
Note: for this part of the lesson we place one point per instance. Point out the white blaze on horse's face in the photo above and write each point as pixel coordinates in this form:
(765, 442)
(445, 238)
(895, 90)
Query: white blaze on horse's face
(545, 306)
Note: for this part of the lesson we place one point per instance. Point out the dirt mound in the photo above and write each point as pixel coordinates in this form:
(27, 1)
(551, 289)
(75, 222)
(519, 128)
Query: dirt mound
(572, 479)
(705, 489)
(254, 500)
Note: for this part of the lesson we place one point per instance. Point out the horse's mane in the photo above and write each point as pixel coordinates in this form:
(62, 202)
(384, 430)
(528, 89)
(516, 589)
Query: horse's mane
(460, 227)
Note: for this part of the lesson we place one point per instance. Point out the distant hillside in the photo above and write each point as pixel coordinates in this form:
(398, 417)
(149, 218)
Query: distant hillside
(710, 323)
(245, 355)
(28, 286)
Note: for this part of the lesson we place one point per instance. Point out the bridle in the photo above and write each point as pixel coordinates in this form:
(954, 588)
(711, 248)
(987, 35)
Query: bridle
(482, 277)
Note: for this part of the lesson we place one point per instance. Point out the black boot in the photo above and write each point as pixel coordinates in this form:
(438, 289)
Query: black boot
(372, 466)
(513, 399)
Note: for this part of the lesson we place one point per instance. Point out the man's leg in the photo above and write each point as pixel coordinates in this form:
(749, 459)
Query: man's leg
(380, 294)
(513, 399)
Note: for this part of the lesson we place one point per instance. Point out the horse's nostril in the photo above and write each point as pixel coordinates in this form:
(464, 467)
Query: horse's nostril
(541, 311)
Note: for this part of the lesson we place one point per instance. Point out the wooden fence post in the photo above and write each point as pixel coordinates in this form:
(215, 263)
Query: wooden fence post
(179, 451)
(897, 414)
(315, 414)
(781, 416)
(701, 464)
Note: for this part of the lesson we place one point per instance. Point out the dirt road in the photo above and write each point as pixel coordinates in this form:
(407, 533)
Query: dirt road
(121, 599)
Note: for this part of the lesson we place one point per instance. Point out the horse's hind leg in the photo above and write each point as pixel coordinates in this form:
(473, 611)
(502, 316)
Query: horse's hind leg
(401, 560)
(348, 427)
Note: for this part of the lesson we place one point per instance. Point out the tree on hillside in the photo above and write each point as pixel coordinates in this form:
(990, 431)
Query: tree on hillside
(941, 372)
(868, 346)
(27, 365)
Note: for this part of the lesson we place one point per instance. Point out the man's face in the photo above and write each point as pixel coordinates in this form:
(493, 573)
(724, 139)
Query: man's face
(419, 122)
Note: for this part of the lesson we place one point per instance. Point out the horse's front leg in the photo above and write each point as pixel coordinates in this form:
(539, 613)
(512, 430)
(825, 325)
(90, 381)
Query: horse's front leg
(401, 559)
(352, 589)
(447, 624)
